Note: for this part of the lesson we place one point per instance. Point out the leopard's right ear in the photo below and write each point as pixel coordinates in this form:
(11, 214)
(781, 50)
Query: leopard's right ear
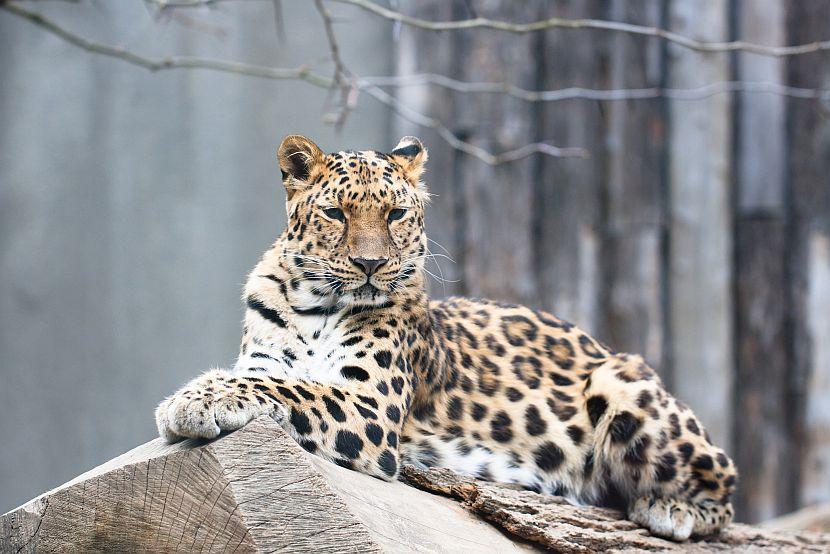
(297, 157)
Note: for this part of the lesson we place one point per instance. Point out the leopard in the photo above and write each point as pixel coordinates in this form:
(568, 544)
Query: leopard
(343, 348)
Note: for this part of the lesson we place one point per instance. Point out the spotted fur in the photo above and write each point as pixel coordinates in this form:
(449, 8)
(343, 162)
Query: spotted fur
(342, 346)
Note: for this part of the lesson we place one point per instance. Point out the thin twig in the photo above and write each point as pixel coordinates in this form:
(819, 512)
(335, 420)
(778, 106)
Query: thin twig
(598, 24)
(570, 93)
(190, 3)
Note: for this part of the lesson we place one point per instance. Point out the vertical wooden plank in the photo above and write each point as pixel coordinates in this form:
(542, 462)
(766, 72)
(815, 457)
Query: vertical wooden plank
(498, 241)
(761, 158)
(633, 238)
(809, 205)
(481, 214)
(422, 51)
(761, 440)
(816, 463)
(700, 236)
(568, 197)
(760, 419)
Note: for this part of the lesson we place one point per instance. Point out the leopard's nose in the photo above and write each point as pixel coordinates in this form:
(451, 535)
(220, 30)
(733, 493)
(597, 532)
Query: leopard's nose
(368, 266)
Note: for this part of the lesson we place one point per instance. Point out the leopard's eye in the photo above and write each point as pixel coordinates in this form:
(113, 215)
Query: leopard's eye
(334, 213)
(396, 213)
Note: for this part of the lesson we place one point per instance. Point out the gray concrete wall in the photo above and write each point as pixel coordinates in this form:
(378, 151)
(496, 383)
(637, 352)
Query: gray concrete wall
(132, 206)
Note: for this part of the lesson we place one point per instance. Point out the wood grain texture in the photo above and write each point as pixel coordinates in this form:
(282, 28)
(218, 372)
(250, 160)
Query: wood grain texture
(250, 491)
(241, 493)
(761, 118)
(498, 240)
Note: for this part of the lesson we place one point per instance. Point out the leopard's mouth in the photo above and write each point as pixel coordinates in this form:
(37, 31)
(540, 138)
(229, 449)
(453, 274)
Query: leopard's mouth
(366, 289)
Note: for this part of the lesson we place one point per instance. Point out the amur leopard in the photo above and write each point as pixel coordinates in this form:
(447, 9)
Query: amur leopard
(343, 348)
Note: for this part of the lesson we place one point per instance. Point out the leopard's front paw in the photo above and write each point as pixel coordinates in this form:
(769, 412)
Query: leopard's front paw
(204, 408)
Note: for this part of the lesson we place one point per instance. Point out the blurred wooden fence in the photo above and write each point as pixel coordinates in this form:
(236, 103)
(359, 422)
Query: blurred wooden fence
(698, 232)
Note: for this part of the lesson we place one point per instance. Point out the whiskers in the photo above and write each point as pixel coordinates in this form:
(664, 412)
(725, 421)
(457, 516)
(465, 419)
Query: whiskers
(327, 281)
(439, 245)
(314, 268)
(331, 287)
(305, 258)
(413, 263)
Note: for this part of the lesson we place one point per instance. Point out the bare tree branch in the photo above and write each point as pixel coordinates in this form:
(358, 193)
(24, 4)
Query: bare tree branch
(560, 23)
(191, 3)
(350, 85)
(698, 93)
(302, 73)
(490, 159)
(603, 95)
(563, 23)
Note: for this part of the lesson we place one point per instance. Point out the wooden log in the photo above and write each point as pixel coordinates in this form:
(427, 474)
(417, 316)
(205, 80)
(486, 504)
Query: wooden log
(255, 490)
(557, 525)
(761, 448)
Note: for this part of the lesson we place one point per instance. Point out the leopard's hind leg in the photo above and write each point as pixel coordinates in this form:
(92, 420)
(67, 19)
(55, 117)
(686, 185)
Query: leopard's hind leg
(655, 452)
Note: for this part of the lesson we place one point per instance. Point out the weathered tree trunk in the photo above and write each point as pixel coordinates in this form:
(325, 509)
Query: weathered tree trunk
(557, 525)
(256, 490)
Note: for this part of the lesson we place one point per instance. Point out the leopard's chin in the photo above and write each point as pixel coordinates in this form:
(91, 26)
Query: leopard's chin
(367, 289)
(366, 294)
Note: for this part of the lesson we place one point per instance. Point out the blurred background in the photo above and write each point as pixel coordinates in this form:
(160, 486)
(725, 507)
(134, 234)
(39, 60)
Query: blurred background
(670, 196)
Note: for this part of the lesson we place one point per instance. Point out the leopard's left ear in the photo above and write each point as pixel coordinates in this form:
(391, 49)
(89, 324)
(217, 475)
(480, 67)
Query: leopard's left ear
(412, 156)
(298, 156)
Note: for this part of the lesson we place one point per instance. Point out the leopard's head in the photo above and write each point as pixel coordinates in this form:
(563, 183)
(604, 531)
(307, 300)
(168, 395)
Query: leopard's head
(355, 220)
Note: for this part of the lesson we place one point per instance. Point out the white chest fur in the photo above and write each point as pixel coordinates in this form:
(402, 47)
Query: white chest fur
(311, 351)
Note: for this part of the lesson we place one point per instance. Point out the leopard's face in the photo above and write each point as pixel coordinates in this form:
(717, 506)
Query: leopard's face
(355, 220)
